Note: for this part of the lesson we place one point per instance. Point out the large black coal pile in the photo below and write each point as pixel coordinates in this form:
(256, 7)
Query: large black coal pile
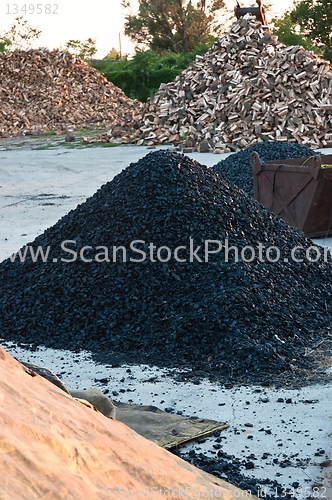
(237, 167)
(233, 319)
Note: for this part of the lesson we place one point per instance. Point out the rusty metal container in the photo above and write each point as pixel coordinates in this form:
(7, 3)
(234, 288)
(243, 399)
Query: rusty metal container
(258, 12)
(298, 190)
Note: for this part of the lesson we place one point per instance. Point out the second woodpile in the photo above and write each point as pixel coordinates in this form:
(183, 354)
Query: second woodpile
(247, 88)
(43, 90)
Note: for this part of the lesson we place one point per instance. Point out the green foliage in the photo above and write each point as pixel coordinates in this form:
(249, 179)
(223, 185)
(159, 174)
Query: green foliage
(315, 18)
(290, 34)
(83, 49)
(4, 44)
(141, 76)
(113, 54)
(20, 36)
(101, 65)
(311, 20)
(173, 25)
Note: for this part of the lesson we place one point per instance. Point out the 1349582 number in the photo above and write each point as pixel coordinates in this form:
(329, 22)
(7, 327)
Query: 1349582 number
(307, 492)
(32, 8)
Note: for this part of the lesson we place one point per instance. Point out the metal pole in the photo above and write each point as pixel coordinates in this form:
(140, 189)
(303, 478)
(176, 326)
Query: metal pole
(120, 46)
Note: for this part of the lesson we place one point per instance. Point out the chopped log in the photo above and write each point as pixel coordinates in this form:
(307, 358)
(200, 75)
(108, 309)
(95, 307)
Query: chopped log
(247, 88)
(51, 90)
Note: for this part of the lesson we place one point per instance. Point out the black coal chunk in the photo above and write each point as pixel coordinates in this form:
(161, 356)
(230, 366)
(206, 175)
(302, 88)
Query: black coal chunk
(237, 167)
(235, 318)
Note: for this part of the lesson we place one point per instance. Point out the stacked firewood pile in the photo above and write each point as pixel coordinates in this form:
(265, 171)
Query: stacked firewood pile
(42, 90)
(247, 88)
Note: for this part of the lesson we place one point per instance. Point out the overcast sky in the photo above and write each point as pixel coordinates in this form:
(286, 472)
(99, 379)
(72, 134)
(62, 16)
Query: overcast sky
(80, 19)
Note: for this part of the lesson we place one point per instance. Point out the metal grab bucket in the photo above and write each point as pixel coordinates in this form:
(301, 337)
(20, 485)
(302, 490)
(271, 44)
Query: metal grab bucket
(298, 190)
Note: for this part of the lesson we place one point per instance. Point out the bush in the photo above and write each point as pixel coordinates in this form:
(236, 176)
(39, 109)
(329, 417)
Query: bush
(141, 76)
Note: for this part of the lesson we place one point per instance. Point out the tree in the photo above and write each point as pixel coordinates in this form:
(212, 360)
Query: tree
(175, 25)
(315, 17)
(289, 33)
(83, 49)
(141, 76)
(20, 36)
(4, 44)
(113, 55)
(312, 20)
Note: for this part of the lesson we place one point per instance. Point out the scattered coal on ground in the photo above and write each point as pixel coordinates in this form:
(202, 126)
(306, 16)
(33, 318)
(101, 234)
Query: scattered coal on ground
(230, 468)
(237, 320)
(237, 167)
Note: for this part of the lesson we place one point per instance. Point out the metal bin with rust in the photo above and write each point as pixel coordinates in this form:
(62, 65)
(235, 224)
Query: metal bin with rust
(298, 190)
